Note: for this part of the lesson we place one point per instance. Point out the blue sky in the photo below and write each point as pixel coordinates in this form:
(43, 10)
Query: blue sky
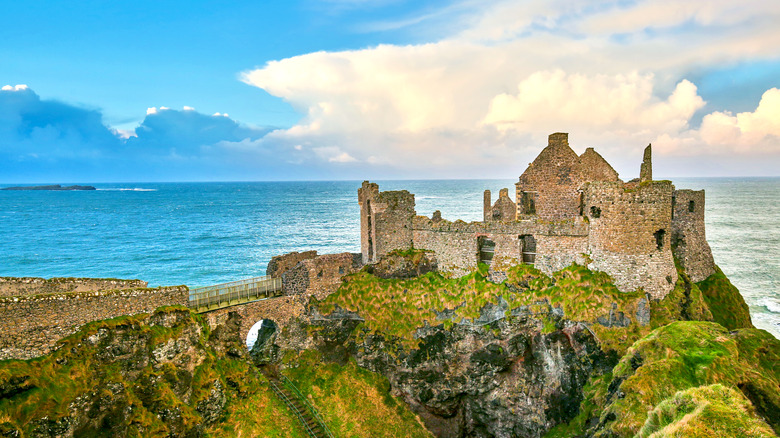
(358, 89)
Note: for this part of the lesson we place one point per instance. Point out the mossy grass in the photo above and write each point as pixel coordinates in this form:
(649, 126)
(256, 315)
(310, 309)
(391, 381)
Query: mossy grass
(725, 302)
(688, 354)
(709, 411)
(352, 401)
(398, 307)
(109, 365)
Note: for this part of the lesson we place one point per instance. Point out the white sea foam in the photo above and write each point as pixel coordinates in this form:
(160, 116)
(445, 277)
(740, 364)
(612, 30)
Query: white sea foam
(123, 189)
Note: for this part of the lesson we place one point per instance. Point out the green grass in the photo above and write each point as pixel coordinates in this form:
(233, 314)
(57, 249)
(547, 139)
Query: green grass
(685, 355)
(398, 307)
(725, 302)
(712, 411)
(353, 402)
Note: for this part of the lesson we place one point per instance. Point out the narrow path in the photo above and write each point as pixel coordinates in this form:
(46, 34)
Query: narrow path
(307, 415)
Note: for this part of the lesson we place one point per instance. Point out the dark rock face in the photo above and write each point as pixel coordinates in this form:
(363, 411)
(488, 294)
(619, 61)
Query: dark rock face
(502, 379)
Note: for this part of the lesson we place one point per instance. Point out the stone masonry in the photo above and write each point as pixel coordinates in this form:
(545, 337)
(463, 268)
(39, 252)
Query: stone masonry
(31, 325)
(567, 209)
(17, 286)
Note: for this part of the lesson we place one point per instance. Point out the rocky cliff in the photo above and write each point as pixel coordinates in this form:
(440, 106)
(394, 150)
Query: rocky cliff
(521, 354)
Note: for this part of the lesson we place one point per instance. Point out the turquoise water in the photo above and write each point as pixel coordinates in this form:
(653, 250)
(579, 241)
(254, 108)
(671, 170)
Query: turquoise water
(204, 233)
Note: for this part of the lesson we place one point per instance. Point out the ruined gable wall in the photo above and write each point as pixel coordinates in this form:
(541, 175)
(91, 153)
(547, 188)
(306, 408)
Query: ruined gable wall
(624, 234)
(596, 168)
(17, 286)
(30, 326)
(689, 242)
(504, 210)
(555, 176)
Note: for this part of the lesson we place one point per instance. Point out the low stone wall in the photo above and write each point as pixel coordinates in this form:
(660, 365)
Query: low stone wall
(17, 286)
(31, 325)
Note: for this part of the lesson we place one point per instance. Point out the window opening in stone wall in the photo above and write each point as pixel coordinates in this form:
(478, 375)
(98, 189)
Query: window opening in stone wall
(582, 203)
(595, 212)
(674, 202)
(691, 206)
(370, 231)
(529, 202)
(528, 248)
(486, 249)
(659, 239)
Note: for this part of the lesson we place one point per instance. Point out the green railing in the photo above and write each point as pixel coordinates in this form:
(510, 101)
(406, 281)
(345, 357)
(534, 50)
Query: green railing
(207, 298)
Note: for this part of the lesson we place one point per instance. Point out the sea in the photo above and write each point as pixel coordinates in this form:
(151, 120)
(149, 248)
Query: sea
(200, 234)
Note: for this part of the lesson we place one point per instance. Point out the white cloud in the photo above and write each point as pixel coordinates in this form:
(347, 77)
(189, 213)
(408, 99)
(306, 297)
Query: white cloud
(152, 110)
(188, 108)
(20, 87)
(609, 72)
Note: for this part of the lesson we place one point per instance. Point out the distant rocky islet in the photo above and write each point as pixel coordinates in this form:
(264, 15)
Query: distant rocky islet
(54, 187)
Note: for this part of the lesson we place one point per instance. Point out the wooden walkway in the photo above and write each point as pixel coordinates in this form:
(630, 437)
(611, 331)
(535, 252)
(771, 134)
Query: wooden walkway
(204, 299)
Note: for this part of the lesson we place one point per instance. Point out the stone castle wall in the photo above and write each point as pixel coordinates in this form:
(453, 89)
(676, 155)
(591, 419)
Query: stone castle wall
(630, 230)
(553, 179)
(385, 221)
(320, 276)
(688, 239)
(456, 243)
(282, 263)
(18, 286)
(31, 325)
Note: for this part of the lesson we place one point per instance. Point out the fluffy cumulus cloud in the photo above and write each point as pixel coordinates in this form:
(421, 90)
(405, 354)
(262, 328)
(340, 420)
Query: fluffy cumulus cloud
(614, 74)
(45, 139)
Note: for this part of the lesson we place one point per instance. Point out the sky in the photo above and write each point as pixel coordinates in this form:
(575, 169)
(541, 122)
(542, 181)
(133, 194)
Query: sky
(97, 91)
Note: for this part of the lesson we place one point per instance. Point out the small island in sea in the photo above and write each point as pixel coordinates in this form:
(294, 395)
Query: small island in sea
(52, 187)
(586, 307)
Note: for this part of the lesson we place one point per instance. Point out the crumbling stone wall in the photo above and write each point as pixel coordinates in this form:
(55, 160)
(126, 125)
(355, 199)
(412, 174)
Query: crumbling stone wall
(504, 210)
(31, 325)
(282, 263)
(385, 221)
(689, 242)
(320, 276)
(630, 229)
(18, 286)
(456, 243)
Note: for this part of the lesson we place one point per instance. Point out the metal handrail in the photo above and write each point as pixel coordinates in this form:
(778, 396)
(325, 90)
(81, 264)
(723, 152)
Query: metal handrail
(279, 393)
(235, 291)
(314, 412)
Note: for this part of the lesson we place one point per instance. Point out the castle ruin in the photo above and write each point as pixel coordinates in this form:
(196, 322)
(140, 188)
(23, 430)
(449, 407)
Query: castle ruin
(567, 209)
